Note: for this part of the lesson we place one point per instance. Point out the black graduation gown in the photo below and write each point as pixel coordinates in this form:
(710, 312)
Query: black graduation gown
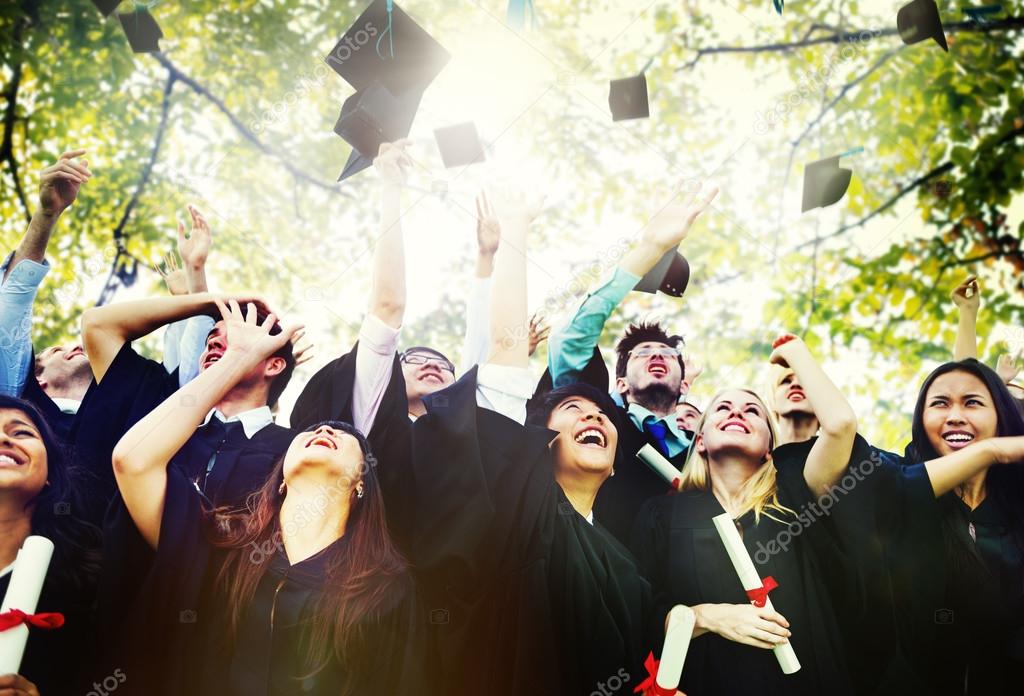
(53, 658)
(527, 597)
(328, 396)
(634, 483)
(961, 622)
(175, 640)
(680, 552)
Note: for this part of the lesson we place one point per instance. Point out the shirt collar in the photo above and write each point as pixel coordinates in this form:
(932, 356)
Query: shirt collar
(66, 405)
(640, 415)
(253, 420)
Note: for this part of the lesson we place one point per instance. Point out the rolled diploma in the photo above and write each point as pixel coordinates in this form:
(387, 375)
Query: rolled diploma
(677, 641)
(30, 567)
(751, 581)
(661, 466)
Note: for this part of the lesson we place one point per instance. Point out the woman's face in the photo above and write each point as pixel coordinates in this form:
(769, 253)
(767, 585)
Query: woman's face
(586, 437)
(23, 461)
(323, 453)
(736, 424)
(958, 410)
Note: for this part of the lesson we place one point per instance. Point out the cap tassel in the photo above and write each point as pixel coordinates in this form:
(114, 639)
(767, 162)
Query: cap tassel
(387, 32)
(517, 13)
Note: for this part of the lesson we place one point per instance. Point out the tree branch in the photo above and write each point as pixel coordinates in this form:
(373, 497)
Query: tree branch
(241, 128)
(10, 118)
(1005, 24)
(165, 109)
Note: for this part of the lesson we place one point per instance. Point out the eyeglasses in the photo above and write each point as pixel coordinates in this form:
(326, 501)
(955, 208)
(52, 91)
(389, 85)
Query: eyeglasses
(421, 359)
(666, 352)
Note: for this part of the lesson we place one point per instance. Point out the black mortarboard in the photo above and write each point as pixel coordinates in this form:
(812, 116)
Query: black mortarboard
(825, 182)
(142, 30)
(106, 6)
(919, 20)
(386, 49)
(628, 98)
(671, 275)
(460, 145)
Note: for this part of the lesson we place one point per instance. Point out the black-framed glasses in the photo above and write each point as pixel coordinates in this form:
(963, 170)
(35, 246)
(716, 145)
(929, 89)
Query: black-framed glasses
(421, 359)
(666, 352)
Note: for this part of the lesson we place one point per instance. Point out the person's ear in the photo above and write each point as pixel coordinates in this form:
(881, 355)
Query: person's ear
(43, 384)
(698, 442)
(621, 386)
(274, 366)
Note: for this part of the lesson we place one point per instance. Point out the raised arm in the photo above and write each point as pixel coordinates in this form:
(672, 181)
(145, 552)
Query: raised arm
(387, 296)
(572, 347)
(510, 344)
(194, 251)
(477, 342)
(106, 329)
(830, 454)
(967, 299)
(58, 188)
(948, 472)
(141, 456)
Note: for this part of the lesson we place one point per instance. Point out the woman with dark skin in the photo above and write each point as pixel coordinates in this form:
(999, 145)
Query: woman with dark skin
(36, 499)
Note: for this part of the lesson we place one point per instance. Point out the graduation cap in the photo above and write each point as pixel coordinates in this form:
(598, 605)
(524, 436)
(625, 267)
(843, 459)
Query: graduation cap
(671, 275)
(825, 182)
(390, 60)
(460, 145)
(627, 98)
(142, 30)
(106, 6)
(919, 20)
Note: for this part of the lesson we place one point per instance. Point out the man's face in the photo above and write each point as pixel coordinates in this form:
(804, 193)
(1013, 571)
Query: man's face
(425, 373)
(217, 346)
(653, 375)
(59, 366)
(790, 397)
(687, 416)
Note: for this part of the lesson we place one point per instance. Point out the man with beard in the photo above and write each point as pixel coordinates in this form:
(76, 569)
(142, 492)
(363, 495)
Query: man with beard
(648, 370)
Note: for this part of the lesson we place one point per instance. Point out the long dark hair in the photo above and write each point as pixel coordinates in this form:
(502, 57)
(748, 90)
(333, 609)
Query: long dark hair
(56, 511)
(359, 583)
(1004, 484)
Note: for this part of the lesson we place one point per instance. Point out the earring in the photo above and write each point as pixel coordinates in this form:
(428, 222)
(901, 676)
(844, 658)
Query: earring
(281, 489)
(359, 491)
(613, 471)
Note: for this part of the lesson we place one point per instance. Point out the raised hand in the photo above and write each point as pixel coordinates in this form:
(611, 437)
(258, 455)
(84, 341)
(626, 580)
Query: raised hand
(59, 183)
(393, 161)
(1007, 367)
(670, 225)
(303, 353)
(692, 369)
(539, 331)
(515, 204)
(967, 295)
(195, 248)
(783, 347)
(488, 229)
(247, 338)
(173, 274)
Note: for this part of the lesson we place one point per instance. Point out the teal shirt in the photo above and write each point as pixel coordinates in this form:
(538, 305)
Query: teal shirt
(570, 349)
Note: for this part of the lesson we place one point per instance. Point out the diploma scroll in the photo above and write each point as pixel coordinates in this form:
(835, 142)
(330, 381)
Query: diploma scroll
(681, 621)
(30, 568)
(661, 466)
(752, 582)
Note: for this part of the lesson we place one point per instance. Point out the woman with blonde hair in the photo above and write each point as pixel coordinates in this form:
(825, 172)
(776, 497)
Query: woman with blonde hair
(775, 504)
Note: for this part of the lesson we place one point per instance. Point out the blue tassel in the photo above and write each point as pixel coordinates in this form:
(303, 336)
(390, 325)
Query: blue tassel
(517, 13)
(778, 5)
(387, 32)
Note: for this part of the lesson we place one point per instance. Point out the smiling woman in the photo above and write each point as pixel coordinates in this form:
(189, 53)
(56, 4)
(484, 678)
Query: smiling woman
(36, 498)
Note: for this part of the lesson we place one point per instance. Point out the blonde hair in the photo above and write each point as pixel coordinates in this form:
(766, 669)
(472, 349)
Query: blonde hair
(760, 491)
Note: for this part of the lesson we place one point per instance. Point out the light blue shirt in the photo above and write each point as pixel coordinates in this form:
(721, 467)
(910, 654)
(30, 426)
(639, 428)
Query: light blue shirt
(570, 349)
(17, 294)
(184, 343)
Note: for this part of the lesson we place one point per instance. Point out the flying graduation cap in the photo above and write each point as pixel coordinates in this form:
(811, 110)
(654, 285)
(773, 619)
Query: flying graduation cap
(825, 182)
(390, 61)
(143, 32)
(627, 98)
(671, 275)
(919, 20)
(460, 145)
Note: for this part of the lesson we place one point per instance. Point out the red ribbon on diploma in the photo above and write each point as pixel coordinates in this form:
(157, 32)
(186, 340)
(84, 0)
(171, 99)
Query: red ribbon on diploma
(16, 617)
(649, 686)
(759, 595)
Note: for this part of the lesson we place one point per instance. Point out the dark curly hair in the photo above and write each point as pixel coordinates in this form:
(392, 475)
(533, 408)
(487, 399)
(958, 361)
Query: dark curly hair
(644, 332)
